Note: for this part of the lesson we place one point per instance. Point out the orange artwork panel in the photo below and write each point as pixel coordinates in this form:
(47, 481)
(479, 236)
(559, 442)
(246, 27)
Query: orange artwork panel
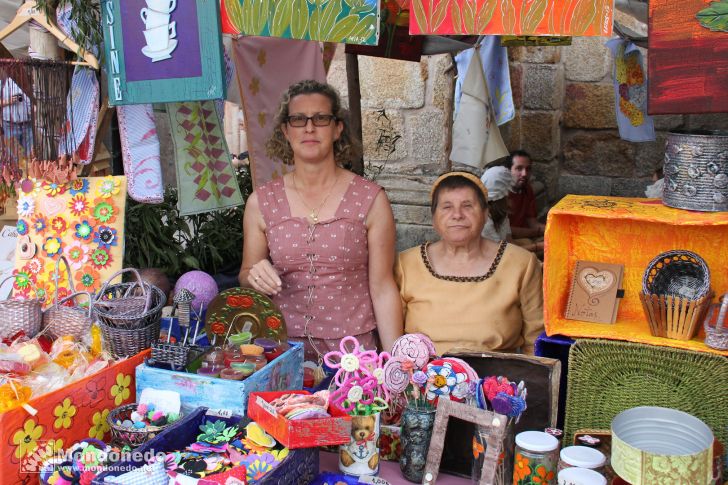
(64, 416)
(628, 231)
(512, 17)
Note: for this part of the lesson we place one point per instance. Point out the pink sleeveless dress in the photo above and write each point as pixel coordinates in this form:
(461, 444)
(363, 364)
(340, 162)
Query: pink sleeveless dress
(323, 267)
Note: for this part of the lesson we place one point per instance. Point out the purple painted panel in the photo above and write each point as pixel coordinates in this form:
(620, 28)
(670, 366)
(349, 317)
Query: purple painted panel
(151, 49)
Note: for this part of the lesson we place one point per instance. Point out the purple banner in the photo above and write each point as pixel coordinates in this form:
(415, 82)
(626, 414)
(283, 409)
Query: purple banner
(161, 39)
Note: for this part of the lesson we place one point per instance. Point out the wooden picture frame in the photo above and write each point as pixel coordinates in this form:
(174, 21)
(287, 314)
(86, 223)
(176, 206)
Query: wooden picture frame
(166, 56)
(542, 377)
(492, 422)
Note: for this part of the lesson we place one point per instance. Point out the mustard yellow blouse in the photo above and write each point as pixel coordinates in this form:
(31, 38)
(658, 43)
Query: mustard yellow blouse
(501, 310)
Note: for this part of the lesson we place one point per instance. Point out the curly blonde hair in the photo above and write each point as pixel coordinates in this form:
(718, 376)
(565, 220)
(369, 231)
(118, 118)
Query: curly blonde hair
(347, 149)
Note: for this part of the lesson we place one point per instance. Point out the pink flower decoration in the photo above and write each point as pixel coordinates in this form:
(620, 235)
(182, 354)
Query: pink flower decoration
(396, 376)
(354, 363)
(354, 391)
(416, 347)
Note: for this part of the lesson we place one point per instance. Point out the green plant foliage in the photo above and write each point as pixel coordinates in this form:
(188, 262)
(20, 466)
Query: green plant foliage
(87, 15)
(715, 16)
(157, 236)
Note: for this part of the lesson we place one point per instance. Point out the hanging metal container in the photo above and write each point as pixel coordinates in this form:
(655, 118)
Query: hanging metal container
(696, 171)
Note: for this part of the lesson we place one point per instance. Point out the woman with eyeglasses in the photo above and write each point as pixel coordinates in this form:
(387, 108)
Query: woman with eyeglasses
(320, 240)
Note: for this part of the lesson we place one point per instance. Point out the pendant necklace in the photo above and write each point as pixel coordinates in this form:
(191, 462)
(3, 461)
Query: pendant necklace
(314, 211)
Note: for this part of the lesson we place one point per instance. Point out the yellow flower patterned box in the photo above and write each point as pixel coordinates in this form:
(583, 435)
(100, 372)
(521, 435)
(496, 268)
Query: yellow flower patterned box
(63, 417)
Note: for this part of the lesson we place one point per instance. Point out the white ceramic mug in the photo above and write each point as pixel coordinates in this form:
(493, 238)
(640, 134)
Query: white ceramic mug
(164, 6)
(158, 37)
(152, 18)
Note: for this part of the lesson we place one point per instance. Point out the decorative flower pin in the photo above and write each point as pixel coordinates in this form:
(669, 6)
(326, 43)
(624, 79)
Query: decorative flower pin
(350, 363)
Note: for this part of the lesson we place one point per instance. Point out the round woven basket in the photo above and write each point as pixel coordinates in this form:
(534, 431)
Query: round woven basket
(60, 320)
(123, 435)
(119, 307)
(124, 342)
(20, 316)
(677, 273)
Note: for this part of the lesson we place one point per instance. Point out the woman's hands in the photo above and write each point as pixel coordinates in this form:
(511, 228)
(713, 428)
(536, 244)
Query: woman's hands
(263, 277)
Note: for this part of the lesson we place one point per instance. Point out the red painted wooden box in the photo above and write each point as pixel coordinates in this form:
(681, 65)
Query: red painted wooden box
(304, 433)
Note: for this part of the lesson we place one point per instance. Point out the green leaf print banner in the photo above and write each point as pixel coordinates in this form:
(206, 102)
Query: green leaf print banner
(345, 21)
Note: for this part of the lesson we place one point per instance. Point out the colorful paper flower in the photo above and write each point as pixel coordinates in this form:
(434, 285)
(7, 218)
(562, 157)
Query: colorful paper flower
(64, 414)
(52, 246)
(99, 426)
(259, 466)
(78, 186)
(26, 206)
(100, 258)
(350, 363)
(59, 226)
(78, 205)
(25, 439)
(23, 279)
(29, 187)
(108, 187)
(88, 278)
(104, 211)
(105, 237)
(54, 188)
(120, 391)
(34, 266)
(77, 254)
(22, 227)
(83, 231)
(442, 380)
(39, 225)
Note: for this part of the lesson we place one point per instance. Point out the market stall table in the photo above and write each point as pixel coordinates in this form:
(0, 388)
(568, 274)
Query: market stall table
(388, 470)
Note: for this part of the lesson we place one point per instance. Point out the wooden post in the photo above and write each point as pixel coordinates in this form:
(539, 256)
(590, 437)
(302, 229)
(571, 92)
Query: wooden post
(352, 81)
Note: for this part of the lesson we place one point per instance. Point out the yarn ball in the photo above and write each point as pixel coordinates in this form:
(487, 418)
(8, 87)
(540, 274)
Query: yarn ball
(201, 284)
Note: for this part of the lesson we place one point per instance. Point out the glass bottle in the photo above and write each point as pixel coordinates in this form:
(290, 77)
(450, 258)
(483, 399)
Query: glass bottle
(536, 457)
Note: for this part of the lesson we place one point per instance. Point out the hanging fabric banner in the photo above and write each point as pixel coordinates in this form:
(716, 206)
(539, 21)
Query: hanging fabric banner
(630, 92)
(140, 152)
(476, 140)
(265, 68)
(205, 176)
(494, 58)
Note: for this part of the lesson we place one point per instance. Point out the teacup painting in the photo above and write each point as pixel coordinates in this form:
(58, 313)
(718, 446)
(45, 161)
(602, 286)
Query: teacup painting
(164, 6)
(152, 18)
(158, 37)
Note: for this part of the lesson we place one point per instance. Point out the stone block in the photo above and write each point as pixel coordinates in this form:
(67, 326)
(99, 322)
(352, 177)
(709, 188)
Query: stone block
(547, 173)
(584, 185)
(412, 214)
(411, 235)
(587, 59)
(337, 75)
(598, 153)
(511, 132)
(668, 122)
(535, 54)
(540, 134)
(383, 132)
(712, 121)
(629, 187)
(650, 155)
(516, 72)
(543, 86)
(392, 83)
(426, 135)
(589, 105)
(408, 188)
(443, 72)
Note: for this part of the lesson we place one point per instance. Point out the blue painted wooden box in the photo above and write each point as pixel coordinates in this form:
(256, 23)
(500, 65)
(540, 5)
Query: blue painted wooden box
(283, 373)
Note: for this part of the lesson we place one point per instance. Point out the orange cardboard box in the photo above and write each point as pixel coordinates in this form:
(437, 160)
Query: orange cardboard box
(64, 416)
(628, 231)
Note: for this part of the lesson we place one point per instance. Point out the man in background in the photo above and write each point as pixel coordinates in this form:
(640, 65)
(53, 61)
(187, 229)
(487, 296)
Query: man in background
(527, 231)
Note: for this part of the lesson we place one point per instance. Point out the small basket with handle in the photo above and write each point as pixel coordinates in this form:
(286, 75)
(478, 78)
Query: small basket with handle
(716, 331)
(20, 316)
(60, 319)
(125, 342)
(128, 305)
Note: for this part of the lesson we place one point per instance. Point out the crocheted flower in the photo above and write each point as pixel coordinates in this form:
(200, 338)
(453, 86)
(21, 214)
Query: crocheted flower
(100, 258)
(78, 186)
(39, 224)
(26, 206)
(350, 363)
(25, 439)
(59, 225)
(105, 237)
(64, 414)
(83, 231)
(77, 254)
(88, 278)
(78, 205)
(104, 211)
(52, 246)
(99, 426)
(22, 227)
(108, 187)
(442, 379)
(120, 391)
(54, 188)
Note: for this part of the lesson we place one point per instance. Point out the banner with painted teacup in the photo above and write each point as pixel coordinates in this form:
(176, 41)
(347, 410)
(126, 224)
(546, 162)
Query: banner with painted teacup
(160, 51)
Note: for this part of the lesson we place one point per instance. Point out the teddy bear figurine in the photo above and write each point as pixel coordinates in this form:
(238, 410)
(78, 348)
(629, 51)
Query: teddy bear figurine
(361, 455)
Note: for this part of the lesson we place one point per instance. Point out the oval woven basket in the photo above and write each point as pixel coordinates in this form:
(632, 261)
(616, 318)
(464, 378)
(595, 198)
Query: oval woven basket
(124, 342)
(61, 319)
(677, 273)
(117, 307)
(20, 316)
(123, 435)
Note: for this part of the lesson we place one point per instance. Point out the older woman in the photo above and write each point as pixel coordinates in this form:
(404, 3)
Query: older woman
(320, 239)
(465, 291)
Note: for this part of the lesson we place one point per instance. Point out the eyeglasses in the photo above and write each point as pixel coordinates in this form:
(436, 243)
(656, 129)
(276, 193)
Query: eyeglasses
(299, 121)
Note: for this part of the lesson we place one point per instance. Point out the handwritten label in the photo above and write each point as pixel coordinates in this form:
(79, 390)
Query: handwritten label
(220, 413)
(266, 406)
(373, 480)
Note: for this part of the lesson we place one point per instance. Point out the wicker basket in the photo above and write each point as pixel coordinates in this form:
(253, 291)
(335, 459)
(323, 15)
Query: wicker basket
(122, 435)
(20, 316)
(716, 331)
(678, 273)
(172, 353)
(695, 174)
(60, 320)
(128, 305)
(674, 317)
(125, 342)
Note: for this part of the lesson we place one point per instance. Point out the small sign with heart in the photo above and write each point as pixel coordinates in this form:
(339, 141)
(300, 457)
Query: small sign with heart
(593, 296)
(595, 282)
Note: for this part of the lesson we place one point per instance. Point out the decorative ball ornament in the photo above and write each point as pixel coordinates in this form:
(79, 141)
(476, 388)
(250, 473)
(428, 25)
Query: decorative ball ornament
(201, 284)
